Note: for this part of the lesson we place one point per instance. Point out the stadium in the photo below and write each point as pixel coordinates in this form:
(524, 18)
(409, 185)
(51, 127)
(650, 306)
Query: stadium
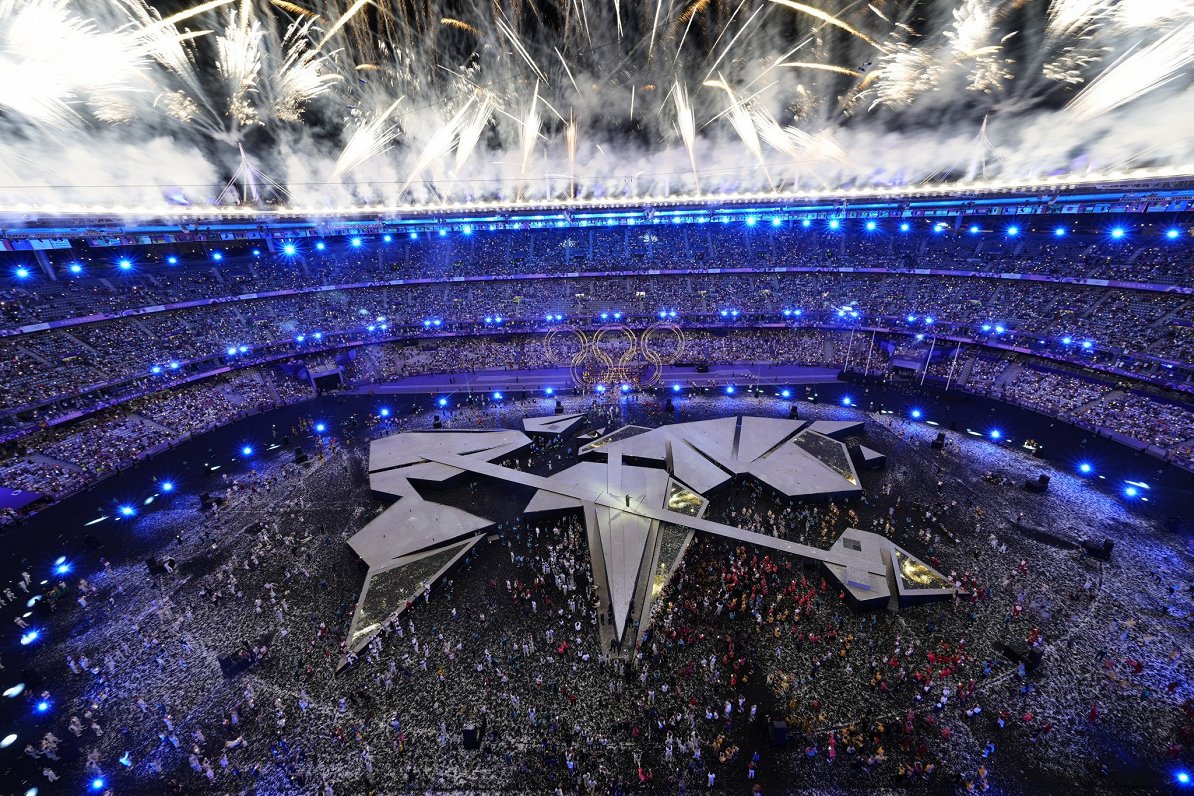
(571, 398)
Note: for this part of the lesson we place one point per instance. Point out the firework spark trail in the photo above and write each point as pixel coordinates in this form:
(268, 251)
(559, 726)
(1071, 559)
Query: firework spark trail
(841, 70)
(238, 63)
(686, 124)
(439, 144)
(529, 131)
(302, 76)
(1071, 19)
(369, 140)
(470, 131)
(294, 8)
(824, 16)
(1136, 74)
(341, 22)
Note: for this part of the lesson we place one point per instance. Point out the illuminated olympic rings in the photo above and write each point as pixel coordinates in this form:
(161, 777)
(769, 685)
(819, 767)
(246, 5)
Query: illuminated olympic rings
(614, 354)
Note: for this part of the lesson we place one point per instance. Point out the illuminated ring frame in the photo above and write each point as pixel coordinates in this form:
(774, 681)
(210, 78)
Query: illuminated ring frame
(591, 365)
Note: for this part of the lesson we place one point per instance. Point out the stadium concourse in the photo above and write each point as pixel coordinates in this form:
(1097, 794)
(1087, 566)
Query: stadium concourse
(186, 433)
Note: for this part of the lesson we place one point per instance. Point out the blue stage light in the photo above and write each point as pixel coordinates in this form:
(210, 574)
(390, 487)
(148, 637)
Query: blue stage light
(775, 222)
(217, 256)
(617, 317)
(1087, 344)
(175, 364)
(318, 335)
(155, 369)
(928, 320)
(387, 238)
(442, 402)
(62, 569)
(257, 252)
(1013, 231)
(300, 338)
(995, 434)
(847, 401)
(172, 260)
(905, 227)
(605, 316)
(999, 329)
(1085, 468)
(675, 388)
(247, 450)
(871, 226)
(289, 249)
(320, 245)
(30, 637)
(1131, 491)
(320, 428)
(550, 391)
(97, 783)
(42, 706)
(231, 350)
(974, 230)
(787, 313)
(785, 394)
(1182, 777)
(751, 221)
(986, 327)
(561, 317)
(806, 222)
(75, 268)
(356, 243)
(1117, 233)
(22, 273)
(1172, 235)
(730, 389)
(1067, 340)
(600, 388)
(125, 264)
(167, 486)
(920, 336)
(911, 319)
(725, 313)
(662, 313)
(384, 412)
(498, 319)
(497, 396)
(916, 414)
(834, 223)
(797, 312)
(1059, 232)
(127, 511)
(443, 232)
(625, 388)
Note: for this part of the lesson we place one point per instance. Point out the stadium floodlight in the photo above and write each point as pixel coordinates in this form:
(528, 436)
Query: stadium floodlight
(289, 249)
(124, 264)
(442, 402)
(1060, 232)
(1117, 233)
(904, 227)
(995, 434)
(785, 393)
(167, 486)
(387, 238)
(675, 388)
(257, 252)
(1085, 468)
(414, 236)
(127, 511)
(974, 230)
(172, 260)
(1131, 491)
(847, 401)
(75, 268)
(600, 388)
(808, 222)
(730, 389)
(247, 450)
(497, 396)
(751, 221)
(549, 391)
(22, 273)
(1013, 232)
(384, 412)
(871, 226)
(356, 243)
(217, 256)
(775, 222)
(320, 245)
(320, 427)
(916, 414)
(834, 223)
(1172, 235)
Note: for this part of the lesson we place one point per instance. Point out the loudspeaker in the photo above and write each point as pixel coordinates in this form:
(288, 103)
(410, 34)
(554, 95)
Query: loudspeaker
(1020, 652)
(559, 407)
(1101, 552)
(1039, 485)
(778, 732)
(154, 566)
(473, 732)
(938, 443)
(793, 414)
(436, 422)
(669, 406)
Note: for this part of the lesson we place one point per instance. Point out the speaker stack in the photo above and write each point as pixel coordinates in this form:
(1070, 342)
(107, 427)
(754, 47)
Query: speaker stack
(938, 443)
(1039, 485)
